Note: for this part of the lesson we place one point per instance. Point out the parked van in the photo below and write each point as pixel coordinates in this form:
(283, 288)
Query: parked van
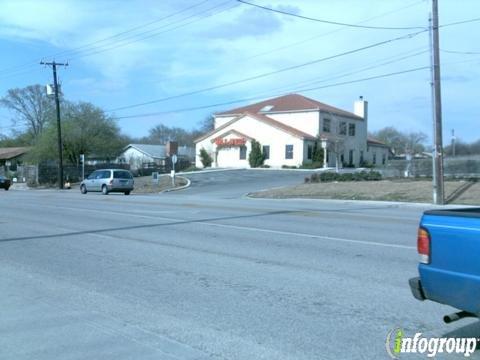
(108, 180)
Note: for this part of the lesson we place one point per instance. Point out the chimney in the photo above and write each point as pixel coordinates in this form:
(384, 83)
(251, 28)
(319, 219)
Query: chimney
(171, 148)
(360, 108)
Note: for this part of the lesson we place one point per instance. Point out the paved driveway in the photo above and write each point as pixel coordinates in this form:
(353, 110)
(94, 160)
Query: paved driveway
(236, 183)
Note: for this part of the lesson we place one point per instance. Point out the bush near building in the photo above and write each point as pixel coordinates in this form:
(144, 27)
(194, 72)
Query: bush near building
(205, 158)
(256, 158)
(331, 176)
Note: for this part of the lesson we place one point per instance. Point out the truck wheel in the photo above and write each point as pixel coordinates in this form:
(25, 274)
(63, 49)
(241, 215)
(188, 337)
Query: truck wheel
(104, 190)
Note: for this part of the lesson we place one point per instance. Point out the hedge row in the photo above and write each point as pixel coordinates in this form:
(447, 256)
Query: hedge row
(332, 176)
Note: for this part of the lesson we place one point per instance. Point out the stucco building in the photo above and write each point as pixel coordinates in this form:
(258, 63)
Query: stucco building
(287, 127)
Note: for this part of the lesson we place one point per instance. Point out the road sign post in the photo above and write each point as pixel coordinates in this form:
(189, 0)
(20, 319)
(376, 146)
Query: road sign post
(172, 174)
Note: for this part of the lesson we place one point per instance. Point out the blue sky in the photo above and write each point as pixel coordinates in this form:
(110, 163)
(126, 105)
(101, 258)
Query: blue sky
(157, 49)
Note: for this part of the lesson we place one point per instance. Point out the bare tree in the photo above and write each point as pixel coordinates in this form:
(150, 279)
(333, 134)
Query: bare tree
(335, 140)
(31, 106)
(207, 124)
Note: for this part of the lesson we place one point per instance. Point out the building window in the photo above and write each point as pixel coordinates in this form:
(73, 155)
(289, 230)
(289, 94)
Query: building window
(288, 151)
(326, 125)
(351, 129)
(361, 157)
(343, 128)
(350, 157)
(384, 158)
(266, 152)
(374, 158)
(243, 152)
(309, 152)
(342, 158)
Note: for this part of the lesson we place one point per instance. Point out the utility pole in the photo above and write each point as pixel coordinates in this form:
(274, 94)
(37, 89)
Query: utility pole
(54, 64)
(438, 189)
(454, 139)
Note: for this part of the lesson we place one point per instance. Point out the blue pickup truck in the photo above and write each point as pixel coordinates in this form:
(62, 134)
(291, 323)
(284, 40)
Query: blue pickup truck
(448, 245)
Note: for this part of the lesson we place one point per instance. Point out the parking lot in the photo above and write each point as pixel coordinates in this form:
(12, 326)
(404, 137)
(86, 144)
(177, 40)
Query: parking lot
(206, 273)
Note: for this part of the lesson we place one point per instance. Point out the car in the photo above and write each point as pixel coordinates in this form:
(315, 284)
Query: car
(5, 183)
(107, 181)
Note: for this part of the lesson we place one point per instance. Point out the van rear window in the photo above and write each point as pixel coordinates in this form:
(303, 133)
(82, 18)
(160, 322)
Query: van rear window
(122, 175)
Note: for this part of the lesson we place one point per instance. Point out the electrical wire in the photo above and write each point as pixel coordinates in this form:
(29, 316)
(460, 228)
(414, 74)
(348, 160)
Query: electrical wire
(259, 76)
(88, 46)
(263, 97)
(460, 52)
(329, 21)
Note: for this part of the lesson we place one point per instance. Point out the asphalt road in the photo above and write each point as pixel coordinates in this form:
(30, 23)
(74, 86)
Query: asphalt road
(207, 274)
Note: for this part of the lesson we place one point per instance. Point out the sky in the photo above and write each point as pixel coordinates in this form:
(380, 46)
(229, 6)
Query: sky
(188, 59)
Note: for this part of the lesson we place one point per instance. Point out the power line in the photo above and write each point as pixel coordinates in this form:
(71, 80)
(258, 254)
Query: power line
(88, 46)
(121, 44)
(460, 22)
(289, 68)
(312, 38)
(460, 52)
(262, 97)
(330, 32)
(329, 21)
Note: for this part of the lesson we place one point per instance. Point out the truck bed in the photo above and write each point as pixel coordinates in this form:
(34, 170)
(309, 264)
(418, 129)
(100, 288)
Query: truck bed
(453, 275)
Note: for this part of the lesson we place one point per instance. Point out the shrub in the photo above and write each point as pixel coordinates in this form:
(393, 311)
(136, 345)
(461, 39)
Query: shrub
(289, 167)
(256, 158)
(358, 176)
(312, 165)
(205, 158)
(265, 166)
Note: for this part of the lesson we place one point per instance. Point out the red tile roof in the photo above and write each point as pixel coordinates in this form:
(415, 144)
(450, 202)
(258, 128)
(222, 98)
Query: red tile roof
(285, 103)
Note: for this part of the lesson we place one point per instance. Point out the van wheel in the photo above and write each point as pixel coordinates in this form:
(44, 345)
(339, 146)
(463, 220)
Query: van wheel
(127, 192)
(83, 189)
(104, 190)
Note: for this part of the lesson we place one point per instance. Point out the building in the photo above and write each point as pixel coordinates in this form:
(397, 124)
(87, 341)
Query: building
(10, 157)
(288, 127)
(141, 156)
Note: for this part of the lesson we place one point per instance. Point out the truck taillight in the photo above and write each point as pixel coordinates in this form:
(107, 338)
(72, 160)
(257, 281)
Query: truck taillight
(423, 245)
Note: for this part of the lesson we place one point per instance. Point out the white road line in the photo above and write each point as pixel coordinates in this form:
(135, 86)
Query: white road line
(288, 233)
(255, 229)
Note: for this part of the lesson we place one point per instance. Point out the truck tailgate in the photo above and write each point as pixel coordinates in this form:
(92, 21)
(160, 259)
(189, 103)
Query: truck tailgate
(453, 275)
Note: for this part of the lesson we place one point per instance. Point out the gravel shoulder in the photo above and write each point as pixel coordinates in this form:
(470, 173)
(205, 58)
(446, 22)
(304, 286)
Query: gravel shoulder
(385, 190)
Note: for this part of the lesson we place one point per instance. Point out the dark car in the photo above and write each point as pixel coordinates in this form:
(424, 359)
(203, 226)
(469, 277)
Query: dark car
(5, 183)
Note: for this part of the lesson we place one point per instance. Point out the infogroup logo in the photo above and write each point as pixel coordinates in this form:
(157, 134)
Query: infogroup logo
(397, 343)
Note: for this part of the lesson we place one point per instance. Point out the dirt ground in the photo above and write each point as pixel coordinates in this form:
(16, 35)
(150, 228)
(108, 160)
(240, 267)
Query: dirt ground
(144, 184)
(385, 190)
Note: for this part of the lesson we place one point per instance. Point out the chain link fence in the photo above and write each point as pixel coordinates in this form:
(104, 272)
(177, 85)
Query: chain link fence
(454, 167)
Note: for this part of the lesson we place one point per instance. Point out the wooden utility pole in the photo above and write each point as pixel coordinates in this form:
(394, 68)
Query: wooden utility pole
(54, 64)
(438, 188)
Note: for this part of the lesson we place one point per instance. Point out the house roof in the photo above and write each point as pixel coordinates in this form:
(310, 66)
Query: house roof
(8, 153)
(376, 142)
(232, 131)
(159, 151)
(288, 103)
(265, 119)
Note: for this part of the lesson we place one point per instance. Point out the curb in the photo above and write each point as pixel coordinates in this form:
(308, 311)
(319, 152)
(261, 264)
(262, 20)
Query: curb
(209, 171)
(370, 202)
(180, 187)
